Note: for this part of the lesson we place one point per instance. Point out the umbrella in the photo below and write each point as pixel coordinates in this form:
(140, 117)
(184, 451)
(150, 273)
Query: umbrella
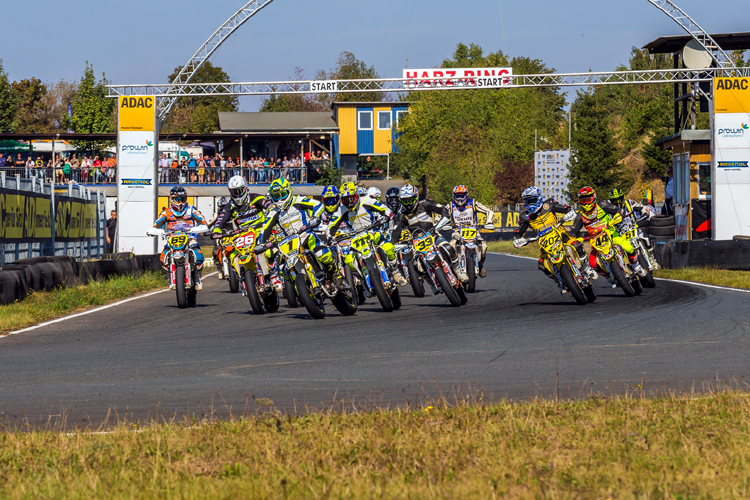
(14, 147)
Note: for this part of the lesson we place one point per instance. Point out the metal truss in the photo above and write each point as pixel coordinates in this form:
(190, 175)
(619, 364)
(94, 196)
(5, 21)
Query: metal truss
(209, 47)
(700, 35)
(175, 90)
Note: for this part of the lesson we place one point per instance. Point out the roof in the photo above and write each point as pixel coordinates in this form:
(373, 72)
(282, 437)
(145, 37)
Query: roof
(675, 43)
(687, 135)
(278, 122)
(369, 104)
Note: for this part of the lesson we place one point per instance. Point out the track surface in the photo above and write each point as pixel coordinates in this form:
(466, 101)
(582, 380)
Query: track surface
(147, 358)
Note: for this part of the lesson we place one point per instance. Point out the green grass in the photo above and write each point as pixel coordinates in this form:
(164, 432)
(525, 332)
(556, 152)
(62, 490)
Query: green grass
(721, 277)
(43, 306)
(502, 246)
(686, 446)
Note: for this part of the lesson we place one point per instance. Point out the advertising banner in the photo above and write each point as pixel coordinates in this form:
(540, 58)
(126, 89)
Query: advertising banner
(137, 182)
(75, 219)
(730, 178)
(26, 217)
(458, 77)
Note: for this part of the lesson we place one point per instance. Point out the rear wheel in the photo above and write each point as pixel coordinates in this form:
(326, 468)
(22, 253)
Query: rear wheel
(252, 293)
(192, 295)
(637, 287)
(590, 294)
(416, 282)
(179, 281)
(314, 307)
(448, 290)
(648, 280)
(471, 270)
(271, 301)
(234, 282)
(396, 299)
(377, 285)
(290, 293)
(573, 287)
(620, 278)
(346, 303)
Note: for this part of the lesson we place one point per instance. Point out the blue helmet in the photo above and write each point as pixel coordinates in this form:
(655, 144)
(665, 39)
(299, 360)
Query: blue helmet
(532, 198)
(330, 197)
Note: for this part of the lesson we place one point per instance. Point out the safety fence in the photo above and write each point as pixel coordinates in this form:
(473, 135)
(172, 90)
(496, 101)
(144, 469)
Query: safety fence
(38, 274)
(37, 219)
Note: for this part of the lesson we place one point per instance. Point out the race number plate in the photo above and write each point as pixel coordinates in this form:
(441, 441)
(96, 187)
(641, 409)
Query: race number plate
(245, 240)
(178, 240)
(361, 242)
(601, 242)
(550, 241)
(425, 243)
(290, 246)
(468, 233)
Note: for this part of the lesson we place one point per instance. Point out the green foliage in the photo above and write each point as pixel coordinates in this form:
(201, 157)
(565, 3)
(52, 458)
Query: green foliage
(200, 114)
(93, 112)
(8, 104)
(33, 112)
(329, 174)
(293, 102)
(462, 137)
(348, 67)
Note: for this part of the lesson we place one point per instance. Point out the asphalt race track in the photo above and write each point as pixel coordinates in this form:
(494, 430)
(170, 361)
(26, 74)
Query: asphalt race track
(147, 358)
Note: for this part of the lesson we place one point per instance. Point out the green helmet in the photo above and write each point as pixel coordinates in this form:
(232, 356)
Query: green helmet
(617, 196)
(281, 193)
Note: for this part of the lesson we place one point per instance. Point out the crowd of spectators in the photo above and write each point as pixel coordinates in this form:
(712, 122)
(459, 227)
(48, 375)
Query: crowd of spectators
(86, 169)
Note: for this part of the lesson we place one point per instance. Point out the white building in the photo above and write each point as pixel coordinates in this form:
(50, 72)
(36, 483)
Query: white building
(551, 173)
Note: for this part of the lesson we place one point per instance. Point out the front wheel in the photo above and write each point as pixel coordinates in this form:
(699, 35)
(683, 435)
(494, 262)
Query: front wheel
(471, 270)
(572, 284)
(290, 293)
(590, 294)
(621, 279)
(462, 295)
(234, 281)
(271, 301)
(396, 299)
(445, 284)
(252, 293)
(347, 303)
(648, 280)
(636, 284)
(314, 307)
(416, 281)
(179, 281)
(377, 285)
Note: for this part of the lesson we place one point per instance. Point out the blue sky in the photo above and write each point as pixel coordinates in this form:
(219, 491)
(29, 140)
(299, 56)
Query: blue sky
(142, 41)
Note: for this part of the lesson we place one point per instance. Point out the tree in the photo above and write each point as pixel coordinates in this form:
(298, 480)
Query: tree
(8, 104)
(59, 95)
(595, 157)
(32, 113)
(200, 114)
(348, 67)
(92, 111)
(511, 179)
(293, 102)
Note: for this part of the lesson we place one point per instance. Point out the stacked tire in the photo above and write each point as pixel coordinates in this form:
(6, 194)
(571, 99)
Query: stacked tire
(661, 228)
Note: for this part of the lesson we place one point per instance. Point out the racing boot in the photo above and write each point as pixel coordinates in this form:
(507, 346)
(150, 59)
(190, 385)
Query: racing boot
(198, 284)
(482, 272)
(275, 279)
(589, 271)
(397, 274)
(338, 278)
(637, 266)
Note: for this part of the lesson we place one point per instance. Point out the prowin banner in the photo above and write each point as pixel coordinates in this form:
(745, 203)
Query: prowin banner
(26, 217)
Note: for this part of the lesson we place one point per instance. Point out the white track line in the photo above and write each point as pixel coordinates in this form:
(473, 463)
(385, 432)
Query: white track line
(97, 309)
(706, 285)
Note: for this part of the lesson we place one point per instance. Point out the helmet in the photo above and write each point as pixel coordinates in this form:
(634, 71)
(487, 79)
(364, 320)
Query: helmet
(587, 200)
(374, 193)
(223, 201)
(238, 190)
(361, 191)
(532, 198)
(330, 197)
(617, 196)
(460, 195)
(350, 196)
(392, 199)
(281, 193)
(409, 197)
(178, 200)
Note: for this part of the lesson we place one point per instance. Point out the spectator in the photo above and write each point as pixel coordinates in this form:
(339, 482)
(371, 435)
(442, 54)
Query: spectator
(111, 230)
(29, 167)
(112, 168)
(666, 209)
(201, 171)
(2, 161)
(238, 166)
(163, 166)
(192, 166)
(276, 165)
(105, 170)
(67, 170)
(96, 167)
(58, 171)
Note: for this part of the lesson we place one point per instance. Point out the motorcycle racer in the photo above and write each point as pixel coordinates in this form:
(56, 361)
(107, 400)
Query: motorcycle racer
(597, 216)
(297, 215)
(180, 215)
(540, 216)
(374, 193)
(631, 207)
(358, 213)
(393, 200)
(463, 211)
(217, 250)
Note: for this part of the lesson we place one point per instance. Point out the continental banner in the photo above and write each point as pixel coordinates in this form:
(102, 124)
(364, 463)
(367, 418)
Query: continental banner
(75, 219)
(26, 217)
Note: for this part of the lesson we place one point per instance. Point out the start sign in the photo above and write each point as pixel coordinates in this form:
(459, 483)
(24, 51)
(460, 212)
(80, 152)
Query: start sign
(324, 86)
(137, 113)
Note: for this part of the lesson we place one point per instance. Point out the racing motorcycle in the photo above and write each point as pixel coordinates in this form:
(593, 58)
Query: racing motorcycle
(643, 247)
(562, 261)
(313, 284)
(425, 261)
(468, 255)
(224, 266)
(370, 268)
(612, 261)
(180, 258)
(342, 248)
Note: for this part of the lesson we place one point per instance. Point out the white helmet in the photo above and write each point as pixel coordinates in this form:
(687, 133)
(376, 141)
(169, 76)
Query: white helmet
(238, 190)
(361, 191)
(374, 193)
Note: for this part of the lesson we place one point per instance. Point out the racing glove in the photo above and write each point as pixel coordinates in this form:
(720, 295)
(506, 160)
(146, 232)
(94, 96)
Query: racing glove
(519, 242)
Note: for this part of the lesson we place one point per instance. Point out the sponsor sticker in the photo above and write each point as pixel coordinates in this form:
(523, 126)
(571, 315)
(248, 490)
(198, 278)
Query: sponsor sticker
(732, 164)
(136, 182)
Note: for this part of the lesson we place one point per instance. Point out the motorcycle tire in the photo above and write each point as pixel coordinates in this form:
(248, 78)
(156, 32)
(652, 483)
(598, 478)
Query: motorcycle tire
(377, 285)
(448, 290)
(647, 281)
(471, 271)
(179, 279)
(590, 294)
(361, 295)
(662, 231)
(621, 279)
(252, 293)
(573, 287)
(271, 301)
(192, 296)
(661, 221)
(462, 295)
(637, 287)
(347, 305)
(315, 307)
(396, 299)
(416, 282)
(291, 294)
(234, 281)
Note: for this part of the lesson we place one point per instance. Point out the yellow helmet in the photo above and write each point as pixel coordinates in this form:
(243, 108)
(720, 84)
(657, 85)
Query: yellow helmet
(281, 193)
(349, 196)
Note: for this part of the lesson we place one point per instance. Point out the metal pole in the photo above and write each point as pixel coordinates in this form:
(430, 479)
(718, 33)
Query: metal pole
(53, 162)
(570, 127)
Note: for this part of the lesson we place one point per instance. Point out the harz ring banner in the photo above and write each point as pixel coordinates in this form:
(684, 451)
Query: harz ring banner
(26, 217)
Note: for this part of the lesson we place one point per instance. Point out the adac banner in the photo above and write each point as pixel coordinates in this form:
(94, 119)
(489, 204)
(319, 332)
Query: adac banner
(26, 217)
(75, 219)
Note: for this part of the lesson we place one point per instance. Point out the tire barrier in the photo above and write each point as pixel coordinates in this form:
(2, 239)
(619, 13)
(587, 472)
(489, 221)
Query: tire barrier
(734, 254)
(17, 280)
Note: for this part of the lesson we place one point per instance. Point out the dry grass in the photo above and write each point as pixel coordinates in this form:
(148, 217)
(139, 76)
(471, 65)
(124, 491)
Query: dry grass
(670, 447)
(502, 246)
(721, 277)
(43, 306)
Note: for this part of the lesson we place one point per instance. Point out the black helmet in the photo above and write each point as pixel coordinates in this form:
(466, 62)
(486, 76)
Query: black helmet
(223, 201)
(178, 200)
(393, 199)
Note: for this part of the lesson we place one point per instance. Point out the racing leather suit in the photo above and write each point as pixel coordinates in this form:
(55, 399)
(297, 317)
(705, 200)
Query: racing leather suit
(249, 214)
(600, 221)
(466, 216)
(543, 221)
(366, 214)
(190, 217)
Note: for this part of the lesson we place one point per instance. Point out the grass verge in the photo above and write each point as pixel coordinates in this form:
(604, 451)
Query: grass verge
(502, 246)
(669, 447)
(43, 306)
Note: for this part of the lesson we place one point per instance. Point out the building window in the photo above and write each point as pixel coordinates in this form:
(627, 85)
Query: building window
(704, 181)
(398, 115)
(384, 120)
(364, 119)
